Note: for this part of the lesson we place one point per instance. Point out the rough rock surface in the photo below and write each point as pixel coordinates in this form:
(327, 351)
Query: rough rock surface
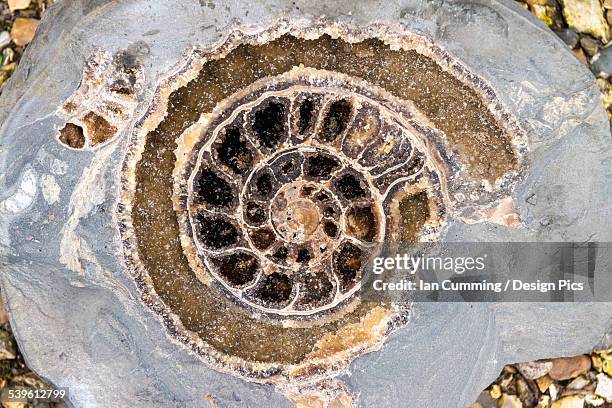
(108, 349)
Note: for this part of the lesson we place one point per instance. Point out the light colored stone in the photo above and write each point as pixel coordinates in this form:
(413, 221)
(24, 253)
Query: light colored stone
(606, 362)
(565, 368)
(495, 391)
(586, 16)
(578, 383)
(23, 30)
(534, 369)
(543, 402)
(509, 401)
(5, 39)
(553, 391)
(7, 348)
(548, 14)
(604, 387)
(594, 400)
(18, 4)
(573, 401)
(544, 382)
(3, 314)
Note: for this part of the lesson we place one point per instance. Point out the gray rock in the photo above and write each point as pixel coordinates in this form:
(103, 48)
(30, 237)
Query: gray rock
(602, 62)
(568, 36)
(102, 343)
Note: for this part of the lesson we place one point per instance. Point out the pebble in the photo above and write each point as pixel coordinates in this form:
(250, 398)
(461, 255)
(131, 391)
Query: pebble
(3, 314)
(544, 402)
(589, 45)
(573, 401)
(541, 2)
(568, 36)
(510, 401)
(548, 14)
(18, 4)
(544, 382)
(525, 393)
(7, 348)
(604, 387)
(495, 391)
(569, 367)
(553, 391)
(578, 383)
(534, 369)
(601, 65)
(13, 404)
(580, 55)
(5, 39)
(586, 16)
(23, 30)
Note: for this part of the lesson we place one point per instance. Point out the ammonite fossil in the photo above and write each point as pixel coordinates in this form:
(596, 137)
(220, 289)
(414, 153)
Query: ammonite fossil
(282, 175)
(191, 192)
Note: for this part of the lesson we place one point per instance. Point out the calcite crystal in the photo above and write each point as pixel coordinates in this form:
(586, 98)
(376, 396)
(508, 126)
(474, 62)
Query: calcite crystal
(213, 175)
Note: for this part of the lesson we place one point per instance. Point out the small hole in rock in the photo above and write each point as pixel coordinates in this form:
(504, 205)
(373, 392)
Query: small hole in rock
(255, 213)
(264, 184)
(238, 269)
(269, 124)
(281, 253)
(276, 288)
(262, 238)
(234, 151)
(330, 229)
(329, 212)
(72, 135)
(321, 166)
(216, 232)
(350, 187)
(336, 120)
(316, 287)
(213, 189)
(347, 262)
(362, 223)
(303, 255)
(307, 191)
(305, 114)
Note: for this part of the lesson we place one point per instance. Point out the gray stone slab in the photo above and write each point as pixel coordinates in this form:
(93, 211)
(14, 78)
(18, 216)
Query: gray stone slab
(90, 333)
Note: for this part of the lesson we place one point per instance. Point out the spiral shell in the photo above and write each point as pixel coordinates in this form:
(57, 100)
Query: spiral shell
(268, 169)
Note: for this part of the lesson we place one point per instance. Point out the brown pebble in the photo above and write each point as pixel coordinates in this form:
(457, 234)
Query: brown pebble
(580, 55)
(18, 4)
(23, 30)
(4, 318)
(589, 45)
(569, 367)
